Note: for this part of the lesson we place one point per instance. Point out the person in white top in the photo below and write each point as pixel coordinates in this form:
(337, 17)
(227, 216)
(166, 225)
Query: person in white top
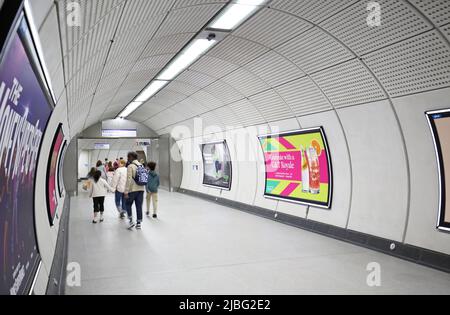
(98, 191)
(119, 182)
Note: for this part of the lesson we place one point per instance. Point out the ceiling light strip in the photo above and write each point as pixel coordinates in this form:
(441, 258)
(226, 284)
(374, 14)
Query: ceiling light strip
(232, 16)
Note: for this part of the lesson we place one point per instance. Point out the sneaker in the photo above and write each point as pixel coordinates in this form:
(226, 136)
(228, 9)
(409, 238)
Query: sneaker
(122, 215)
(155, 216)
(131, 225)
(148, 213)
(102, 219)
(138, 226)
(94, 221)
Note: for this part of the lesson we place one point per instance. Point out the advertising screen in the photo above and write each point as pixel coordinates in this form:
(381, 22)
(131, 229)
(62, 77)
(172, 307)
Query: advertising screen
(52, 174)
(60, 169)
(298, 167)
(25, 109)
(440, 126)
(217, 168)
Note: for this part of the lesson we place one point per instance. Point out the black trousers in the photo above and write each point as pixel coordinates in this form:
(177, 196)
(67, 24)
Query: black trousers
(99, 204)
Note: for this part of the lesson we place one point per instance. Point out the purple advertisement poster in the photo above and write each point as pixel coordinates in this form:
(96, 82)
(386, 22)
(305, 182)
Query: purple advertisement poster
(24, 114)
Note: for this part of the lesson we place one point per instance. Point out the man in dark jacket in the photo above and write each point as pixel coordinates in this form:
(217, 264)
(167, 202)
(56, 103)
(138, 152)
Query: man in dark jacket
(152, 189)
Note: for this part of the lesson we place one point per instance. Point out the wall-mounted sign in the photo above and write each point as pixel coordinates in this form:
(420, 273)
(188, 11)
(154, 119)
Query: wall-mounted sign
(119, 133)
(143, 142)
(298, 167)
(440, 126)
(102, 146)
(217, 170)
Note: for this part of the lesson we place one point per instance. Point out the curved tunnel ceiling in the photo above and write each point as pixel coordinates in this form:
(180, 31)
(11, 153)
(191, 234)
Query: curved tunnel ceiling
(292, 58)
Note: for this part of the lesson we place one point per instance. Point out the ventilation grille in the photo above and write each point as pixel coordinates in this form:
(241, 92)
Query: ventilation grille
(349, 84)
(412, 66)
(282, 28)
(399, 21)
(304, 97)
(314, 50)
(437, 11)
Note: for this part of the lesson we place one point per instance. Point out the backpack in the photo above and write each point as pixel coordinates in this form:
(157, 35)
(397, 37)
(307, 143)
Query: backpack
(141, 177)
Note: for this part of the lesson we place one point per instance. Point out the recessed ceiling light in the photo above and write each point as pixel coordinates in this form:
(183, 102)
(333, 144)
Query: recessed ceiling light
(186, 58)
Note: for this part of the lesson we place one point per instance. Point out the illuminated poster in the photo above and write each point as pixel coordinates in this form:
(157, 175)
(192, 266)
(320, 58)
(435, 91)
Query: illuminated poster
(60, 169)
(25, 110)
(52, 173)
(217, 168)
(298, 167)
(440, 126)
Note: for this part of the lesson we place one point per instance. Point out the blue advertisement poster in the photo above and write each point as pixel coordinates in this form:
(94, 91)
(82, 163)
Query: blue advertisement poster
(24, 113)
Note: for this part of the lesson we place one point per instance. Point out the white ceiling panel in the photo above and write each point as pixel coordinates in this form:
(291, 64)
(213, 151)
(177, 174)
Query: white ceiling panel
(304, 97)
(283, 27)
(189, 19)
(314, 50)
(237, 51)
(312, 10)
(247, 113)
(214, 67)
(399, 21)
(245, 82)
(274, 69)
(271, 106)
(349, 84)
(412, 66)
(438, 11)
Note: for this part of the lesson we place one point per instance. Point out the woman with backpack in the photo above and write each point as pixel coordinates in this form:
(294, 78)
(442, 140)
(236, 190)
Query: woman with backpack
(137, 178)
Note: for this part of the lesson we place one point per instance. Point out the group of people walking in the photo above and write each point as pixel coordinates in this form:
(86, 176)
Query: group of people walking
(129, 180)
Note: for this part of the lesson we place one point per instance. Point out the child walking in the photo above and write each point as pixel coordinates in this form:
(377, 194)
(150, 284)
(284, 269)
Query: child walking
(152, 189)
(98, 191)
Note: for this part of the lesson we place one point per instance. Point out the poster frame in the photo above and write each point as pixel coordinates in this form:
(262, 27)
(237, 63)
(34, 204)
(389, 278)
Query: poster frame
(12, 14)
(224, 142)
(59, 131)
(60, 170)
(320, 205)
(441, 225)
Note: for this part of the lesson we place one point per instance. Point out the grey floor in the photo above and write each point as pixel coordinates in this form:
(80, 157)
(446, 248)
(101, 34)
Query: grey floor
(199, 248)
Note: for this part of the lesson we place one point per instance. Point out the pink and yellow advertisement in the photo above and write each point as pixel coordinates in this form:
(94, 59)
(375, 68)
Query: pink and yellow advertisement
(298, 167)
(52, 196)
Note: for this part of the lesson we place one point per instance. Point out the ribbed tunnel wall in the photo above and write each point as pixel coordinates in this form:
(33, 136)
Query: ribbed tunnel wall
(296, 64)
